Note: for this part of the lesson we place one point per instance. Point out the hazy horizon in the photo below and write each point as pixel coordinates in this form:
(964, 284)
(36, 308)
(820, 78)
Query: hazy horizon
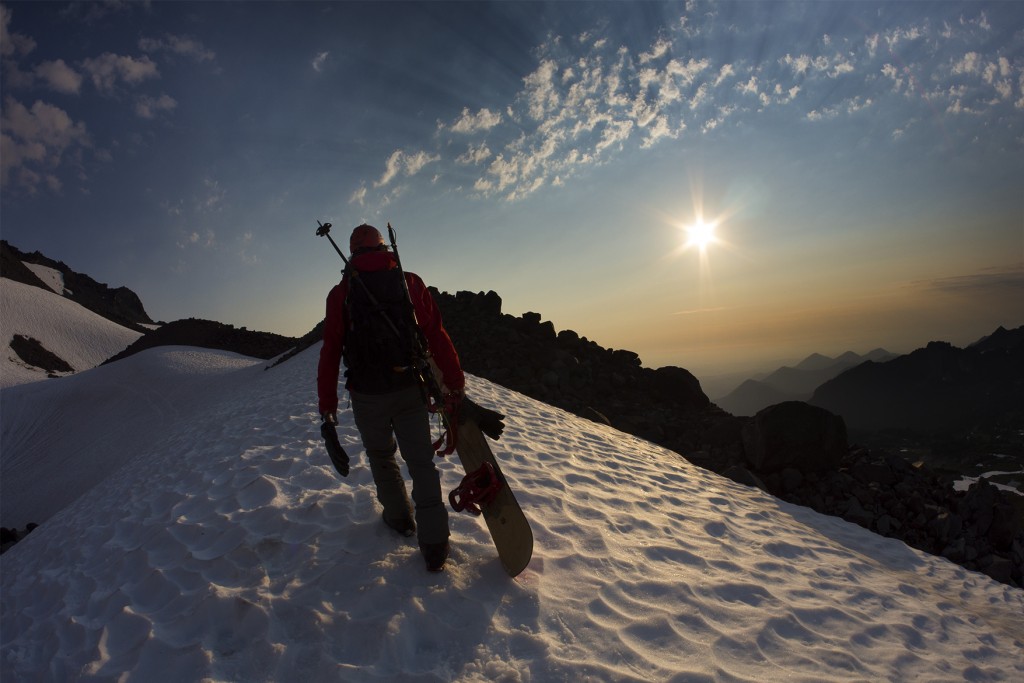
(860, 163)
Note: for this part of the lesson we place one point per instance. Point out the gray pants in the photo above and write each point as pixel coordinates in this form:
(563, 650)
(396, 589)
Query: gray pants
(381, 418)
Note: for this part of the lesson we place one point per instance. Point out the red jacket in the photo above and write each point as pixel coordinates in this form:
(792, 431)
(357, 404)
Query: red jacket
(335, 323)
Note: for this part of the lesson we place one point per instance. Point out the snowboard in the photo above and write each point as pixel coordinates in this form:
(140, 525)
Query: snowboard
(509, 527)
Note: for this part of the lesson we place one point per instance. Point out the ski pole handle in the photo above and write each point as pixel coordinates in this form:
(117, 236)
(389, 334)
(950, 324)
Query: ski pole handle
(325, 231)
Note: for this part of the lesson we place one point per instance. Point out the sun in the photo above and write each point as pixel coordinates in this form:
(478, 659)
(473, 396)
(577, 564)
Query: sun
(700, 235)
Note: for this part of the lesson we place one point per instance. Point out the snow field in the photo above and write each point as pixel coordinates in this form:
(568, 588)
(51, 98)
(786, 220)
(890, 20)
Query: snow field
(51, 277)
(76, 334)
(62, 436)
(226, 548)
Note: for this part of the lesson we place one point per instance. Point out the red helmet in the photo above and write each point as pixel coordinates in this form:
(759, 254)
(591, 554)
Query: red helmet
(365, 237)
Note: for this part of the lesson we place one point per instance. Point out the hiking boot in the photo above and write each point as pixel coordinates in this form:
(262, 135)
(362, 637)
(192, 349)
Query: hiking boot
(405, 527)
(435, 555)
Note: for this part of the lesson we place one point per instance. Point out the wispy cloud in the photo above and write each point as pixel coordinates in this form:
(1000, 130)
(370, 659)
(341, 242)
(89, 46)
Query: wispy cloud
(320, 60)
(184, 46)
(109, 69)
(358, 196)
(57, 75)
(211, 197)
(474, 154)
(148, 107)
(993, 282)
(13, 44)
(206, 240)
(483, 120)
(401, 162)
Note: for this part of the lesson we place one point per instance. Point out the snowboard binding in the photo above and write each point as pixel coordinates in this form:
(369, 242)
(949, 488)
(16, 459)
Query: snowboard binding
(479, 487)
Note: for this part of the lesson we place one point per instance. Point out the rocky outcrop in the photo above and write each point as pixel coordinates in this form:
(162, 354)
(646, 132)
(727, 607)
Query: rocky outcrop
(31, 351)
(982, 529)
(8, 537)
(794, 435)
(563, 369)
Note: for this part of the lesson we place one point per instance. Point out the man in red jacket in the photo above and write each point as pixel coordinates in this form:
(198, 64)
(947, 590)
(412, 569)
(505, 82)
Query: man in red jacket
(369, 324)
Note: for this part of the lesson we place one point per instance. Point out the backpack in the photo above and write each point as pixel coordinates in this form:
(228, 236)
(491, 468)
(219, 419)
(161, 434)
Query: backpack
(376, 359)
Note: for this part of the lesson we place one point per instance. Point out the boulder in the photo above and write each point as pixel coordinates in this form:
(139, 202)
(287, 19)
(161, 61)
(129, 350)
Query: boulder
(794, 434)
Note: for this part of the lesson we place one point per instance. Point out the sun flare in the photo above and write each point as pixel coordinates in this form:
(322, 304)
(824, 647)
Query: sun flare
(700, 235)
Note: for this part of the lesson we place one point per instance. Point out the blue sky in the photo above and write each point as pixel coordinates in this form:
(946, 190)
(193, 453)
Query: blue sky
(862, 163)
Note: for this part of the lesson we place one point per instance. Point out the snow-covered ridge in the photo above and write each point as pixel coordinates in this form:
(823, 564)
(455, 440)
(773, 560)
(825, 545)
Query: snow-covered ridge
(226, 548)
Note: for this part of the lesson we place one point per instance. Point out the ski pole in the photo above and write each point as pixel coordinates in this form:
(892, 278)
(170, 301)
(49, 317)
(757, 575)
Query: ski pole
(325, 231)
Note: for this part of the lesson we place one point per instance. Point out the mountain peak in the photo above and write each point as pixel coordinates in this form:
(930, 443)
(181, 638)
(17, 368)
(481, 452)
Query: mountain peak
(815, 361)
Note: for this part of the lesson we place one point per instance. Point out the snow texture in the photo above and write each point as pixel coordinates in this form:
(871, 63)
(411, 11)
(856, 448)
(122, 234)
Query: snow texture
(51, 277)
(222, 546)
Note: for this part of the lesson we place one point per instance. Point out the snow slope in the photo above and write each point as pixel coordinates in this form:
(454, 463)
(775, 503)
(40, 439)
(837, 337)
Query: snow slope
(76, 334)
(227, 549)
(51, 277)
(63, 436)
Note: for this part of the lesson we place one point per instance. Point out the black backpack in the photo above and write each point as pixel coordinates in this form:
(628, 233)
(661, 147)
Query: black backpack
(377, 359)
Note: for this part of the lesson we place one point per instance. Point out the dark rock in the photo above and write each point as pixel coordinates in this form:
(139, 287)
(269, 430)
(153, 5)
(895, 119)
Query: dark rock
(855, 512)
(8, 537)
(741, 475)
(886, 525)
(979, 506)
(999, 568)
(624, 357)
(794, 434)
(1007, 521)
(678, 386)
(791, 479)
(879, 473)
(31, 351)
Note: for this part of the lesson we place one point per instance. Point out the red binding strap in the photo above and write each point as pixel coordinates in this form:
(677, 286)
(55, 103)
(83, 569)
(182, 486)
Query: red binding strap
(449, 414)
(477, 488)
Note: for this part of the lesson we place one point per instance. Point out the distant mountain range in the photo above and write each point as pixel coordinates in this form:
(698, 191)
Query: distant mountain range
(940, 389)
(796, 383)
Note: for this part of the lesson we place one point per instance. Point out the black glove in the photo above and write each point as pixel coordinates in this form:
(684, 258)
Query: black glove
(490, 422)
(329, 430)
